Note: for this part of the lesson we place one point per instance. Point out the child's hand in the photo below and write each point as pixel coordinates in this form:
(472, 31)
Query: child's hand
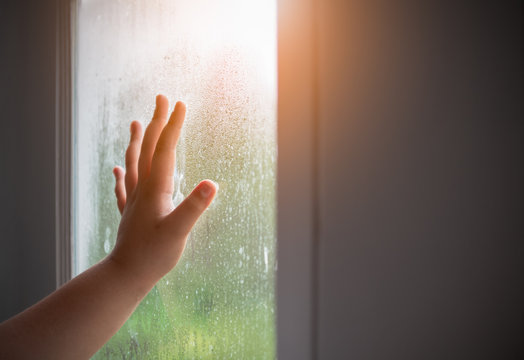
(152, 233)
(78, 318)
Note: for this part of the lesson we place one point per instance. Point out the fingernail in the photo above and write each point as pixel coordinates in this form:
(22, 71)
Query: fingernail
(207, 189)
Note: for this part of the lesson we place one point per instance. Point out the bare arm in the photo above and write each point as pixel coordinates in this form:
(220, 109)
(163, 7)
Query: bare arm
(81, 316)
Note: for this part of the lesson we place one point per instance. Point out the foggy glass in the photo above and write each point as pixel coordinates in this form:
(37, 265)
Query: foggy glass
(218, 57)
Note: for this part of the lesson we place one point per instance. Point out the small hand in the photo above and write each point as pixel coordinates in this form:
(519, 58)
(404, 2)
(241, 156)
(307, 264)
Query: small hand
(152, 233)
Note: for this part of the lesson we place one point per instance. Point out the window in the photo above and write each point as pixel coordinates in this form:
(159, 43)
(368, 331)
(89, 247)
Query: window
(220, 58)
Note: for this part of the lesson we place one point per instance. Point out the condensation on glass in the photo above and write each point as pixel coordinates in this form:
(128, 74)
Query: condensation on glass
(219, 57)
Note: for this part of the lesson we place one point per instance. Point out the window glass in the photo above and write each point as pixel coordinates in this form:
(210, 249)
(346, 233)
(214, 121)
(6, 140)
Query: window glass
(219, 57)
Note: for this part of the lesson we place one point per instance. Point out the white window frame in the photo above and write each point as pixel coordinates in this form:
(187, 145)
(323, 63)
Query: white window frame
(297, 180)
(297, 231)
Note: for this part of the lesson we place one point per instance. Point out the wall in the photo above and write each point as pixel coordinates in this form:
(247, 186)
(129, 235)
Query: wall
(27, 153)
(420, 180)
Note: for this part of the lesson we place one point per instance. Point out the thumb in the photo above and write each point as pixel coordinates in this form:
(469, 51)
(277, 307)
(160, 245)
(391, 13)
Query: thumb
(183, 218)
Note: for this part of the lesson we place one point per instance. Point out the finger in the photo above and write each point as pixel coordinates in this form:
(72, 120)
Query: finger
(183, 218)
(132, 155)
(163, 163)
(151, 136)
(120, 190)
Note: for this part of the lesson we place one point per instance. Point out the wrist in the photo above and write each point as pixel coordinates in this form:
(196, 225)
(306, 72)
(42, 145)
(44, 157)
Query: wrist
(133, 279)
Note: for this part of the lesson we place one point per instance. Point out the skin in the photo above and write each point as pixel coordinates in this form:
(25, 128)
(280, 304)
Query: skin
(81, 316)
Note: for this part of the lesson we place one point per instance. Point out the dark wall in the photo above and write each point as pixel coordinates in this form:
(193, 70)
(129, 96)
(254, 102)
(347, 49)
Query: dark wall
(421, 175)
(27, 152)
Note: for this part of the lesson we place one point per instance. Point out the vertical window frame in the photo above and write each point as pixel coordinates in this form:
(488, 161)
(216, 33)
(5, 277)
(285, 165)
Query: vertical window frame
(64, 127)
(297, 189)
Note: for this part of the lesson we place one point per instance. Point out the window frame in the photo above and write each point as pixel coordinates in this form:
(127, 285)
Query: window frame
(64, 134)
(297, 198)
(297, 194)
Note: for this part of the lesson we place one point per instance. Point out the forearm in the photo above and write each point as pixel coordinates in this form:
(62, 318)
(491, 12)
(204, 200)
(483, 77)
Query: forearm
(77, 319)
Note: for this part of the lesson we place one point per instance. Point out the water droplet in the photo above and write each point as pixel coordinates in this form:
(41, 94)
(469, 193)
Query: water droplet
(266, 260)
